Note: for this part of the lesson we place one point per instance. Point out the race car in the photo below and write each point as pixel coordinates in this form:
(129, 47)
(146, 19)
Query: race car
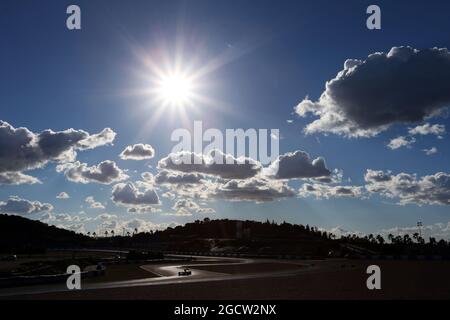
(185, 272)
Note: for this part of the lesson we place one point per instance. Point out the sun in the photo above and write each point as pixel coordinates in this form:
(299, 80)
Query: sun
(175, 89)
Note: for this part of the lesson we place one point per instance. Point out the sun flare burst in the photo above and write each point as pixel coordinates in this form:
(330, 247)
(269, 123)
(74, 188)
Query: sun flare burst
(175, 89)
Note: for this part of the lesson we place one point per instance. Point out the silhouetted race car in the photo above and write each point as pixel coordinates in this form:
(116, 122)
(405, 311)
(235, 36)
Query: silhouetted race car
(185, 272)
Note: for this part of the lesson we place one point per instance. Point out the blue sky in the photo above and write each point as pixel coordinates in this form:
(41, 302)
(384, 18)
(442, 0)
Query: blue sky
(53, 78)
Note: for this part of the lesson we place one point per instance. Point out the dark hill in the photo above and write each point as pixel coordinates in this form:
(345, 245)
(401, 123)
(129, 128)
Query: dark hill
(251, 237)
(22, 235)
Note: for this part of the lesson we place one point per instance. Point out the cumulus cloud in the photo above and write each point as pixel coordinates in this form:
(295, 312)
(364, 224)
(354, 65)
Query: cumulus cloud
(253, 189)
(141, 210)
(401, 141)
(63, 195)
(16, 178)
(436, 230)
(320, 191)
(377, 176)
(105, 216)
(257, 189)
(171, 177)
(138, 152)
(186, 206)
(105, 137)
(215, 163)
(335, 177)
(49, 217)
(18, 206)
(126, 194)
(426, 129)
(169, 195)
(431, 151)
(297, 165)
(21, 149)
(75, 227)
(121, 227)
(241, 180)
(342, 232)
(409, 189)
(105, 172)
(368, 96)
(93, 204)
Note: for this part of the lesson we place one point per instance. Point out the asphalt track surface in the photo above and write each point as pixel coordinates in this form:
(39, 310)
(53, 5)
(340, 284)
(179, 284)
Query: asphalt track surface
(168, 274)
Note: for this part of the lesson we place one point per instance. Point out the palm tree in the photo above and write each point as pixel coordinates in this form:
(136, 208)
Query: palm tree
(380, 239)
(407, 239)
(95, 235)
(89, 234)
(391, 237)
(112, 233)
(128, 233)
(135, 231)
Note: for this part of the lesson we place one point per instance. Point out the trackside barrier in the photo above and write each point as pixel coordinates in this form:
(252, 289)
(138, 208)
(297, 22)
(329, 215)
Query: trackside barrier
(45, 279)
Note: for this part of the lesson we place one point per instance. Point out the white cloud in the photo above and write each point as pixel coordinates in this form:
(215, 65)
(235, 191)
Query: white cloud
(320, 191)
(215, 163)
(124, 226)
(142, 210)
(138, 152)
(106, 216)
(401, 141)
(408, 189)
(17, 206)
(436, 230)
(106, 172)
(93, 204)
(105, 137)
(341, 232)
(75, 227)
(186, 206)
(368, 96)
(431, 151)
(173, 177)
(297, 165)
(253, 189)
(53, 218)
(16, 178)
(425, 129)
(23, 150)
(126, 194)
(63, 195)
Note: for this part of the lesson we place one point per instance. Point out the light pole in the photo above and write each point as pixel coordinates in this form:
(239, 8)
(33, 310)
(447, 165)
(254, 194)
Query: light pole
(419, 225)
